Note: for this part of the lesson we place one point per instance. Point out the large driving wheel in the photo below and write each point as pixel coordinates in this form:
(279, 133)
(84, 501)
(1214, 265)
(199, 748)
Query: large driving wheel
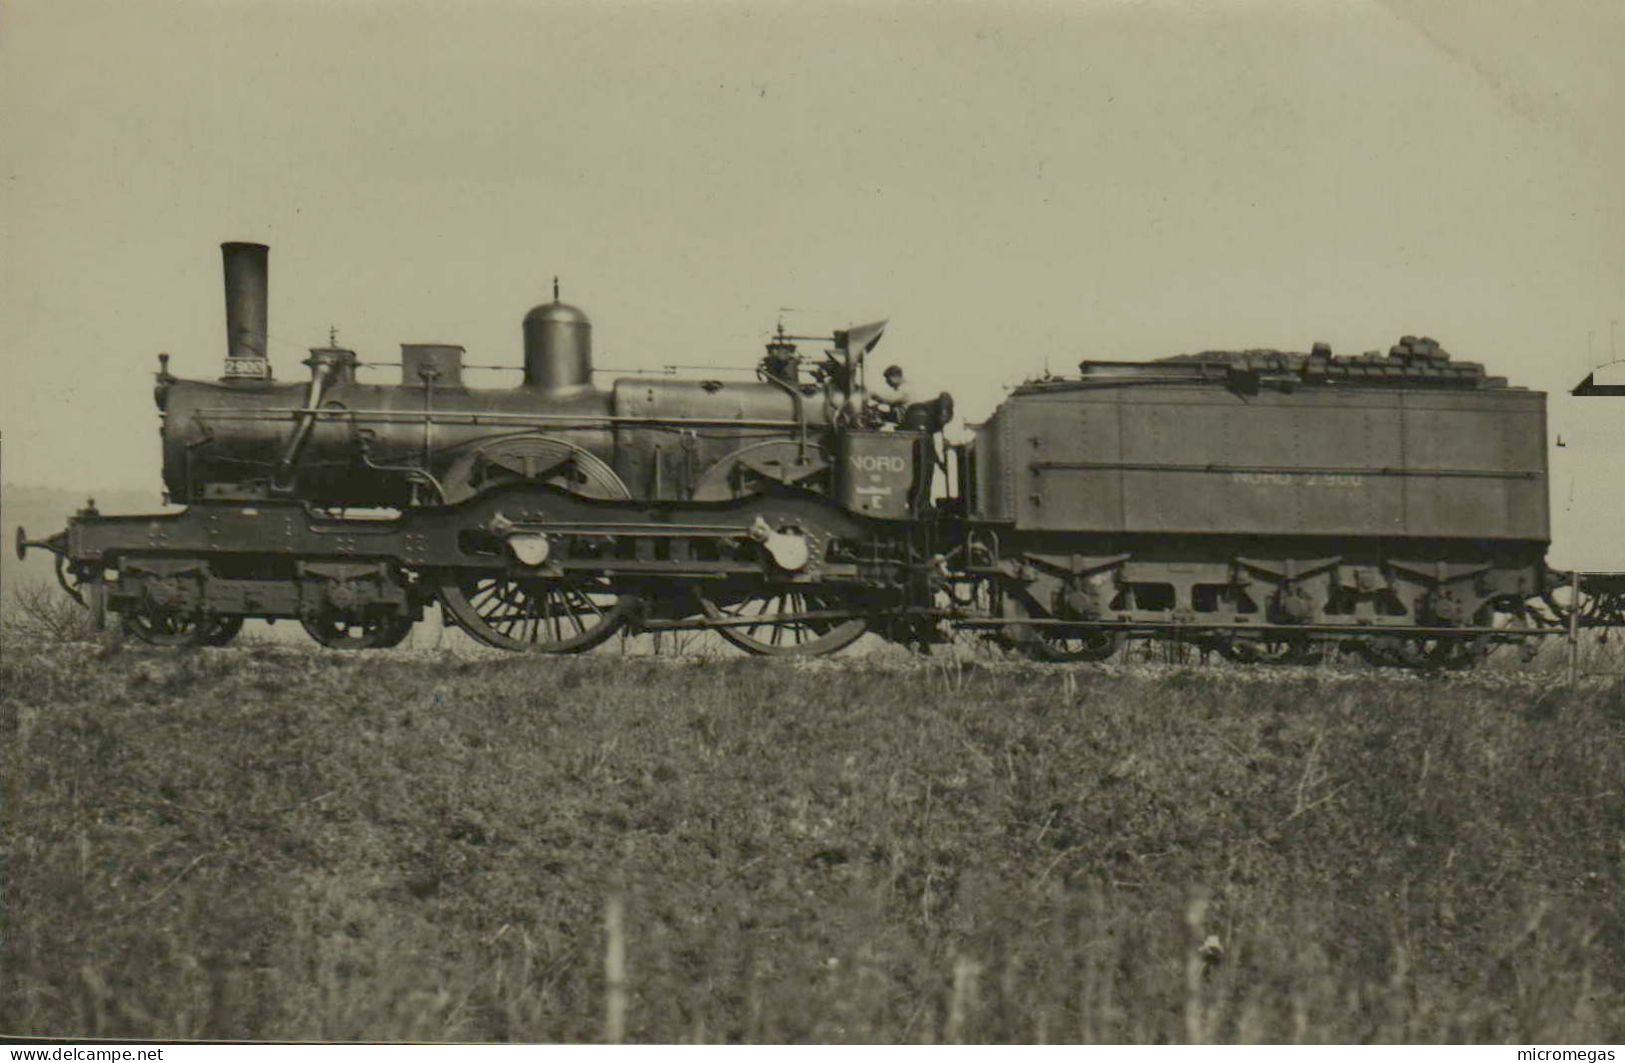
(566, 615)
(785, 622)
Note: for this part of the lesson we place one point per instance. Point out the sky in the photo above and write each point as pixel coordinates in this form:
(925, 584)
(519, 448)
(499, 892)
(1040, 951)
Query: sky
(1016, 186)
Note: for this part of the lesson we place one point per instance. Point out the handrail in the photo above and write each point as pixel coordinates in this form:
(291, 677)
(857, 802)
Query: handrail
(231, 413)
(1281, 470)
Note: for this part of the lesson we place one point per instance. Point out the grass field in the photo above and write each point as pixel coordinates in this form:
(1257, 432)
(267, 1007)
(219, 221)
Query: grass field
(270, 842)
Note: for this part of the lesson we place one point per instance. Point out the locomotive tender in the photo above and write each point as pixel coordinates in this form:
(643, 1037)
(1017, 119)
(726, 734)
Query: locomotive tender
(1264, 505)
(1273, 499)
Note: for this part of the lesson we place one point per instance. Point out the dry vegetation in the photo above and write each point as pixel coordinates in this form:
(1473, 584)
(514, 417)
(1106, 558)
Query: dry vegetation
(40, 612)
(268, 842)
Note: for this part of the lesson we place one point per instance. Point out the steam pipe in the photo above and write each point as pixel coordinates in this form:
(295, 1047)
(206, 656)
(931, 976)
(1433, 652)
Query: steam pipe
(801, 412)
(325, 367)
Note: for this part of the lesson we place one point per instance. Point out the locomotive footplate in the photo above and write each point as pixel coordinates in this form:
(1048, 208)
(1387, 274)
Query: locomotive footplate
(274, 559)
(492, 532)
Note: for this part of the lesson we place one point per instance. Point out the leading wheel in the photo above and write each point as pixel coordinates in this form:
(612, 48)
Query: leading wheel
(159, 627)
(224, 629)
(785, 622)
(339, 633)
(566, 615)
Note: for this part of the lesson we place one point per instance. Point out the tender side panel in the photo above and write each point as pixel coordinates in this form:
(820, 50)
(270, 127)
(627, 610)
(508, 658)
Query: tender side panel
(1499, 437)
(1341, 461)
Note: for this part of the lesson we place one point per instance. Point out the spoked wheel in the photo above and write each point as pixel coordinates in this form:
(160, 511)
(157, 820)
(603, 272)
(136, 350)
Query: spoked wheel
(1453, 651)
(224, 630)
(567, 615)
(1383, 651)
(779, 625)
(1440, 653)
(158, 627)
(1594, 608)
(1054, 643)
(340, 633)
(1508, 611)
(1431, 653)
(1069, 645)
(1294, 649)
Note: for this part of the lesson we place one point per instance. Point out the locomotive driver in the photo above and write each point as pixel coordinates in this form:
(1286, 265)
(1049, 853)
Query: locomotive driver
(892, 396)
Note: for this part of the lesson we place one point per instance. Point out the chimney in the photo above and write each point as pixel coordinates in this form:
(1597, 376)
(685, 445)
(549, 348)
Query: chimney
(246, 283)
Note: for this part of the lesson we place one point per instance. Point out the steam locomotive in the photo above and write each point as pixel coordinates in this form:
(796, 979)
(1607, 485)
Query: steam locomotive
(1265, 505)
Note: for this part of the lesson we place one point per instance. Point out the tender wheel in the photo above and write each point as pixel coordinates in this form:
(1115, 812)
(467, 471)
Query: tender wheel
(1055, 643)
(161, 628)
(781, 629)
(1382, 651)
(338, 633)
(1070, 645)
(1419, 653)
(1442, 653)
(537, 615)
(1296, 649)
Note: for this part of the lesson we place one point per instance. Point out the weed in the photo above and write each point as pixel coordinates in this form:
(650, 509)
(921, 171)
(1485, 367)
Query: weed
(282, 844)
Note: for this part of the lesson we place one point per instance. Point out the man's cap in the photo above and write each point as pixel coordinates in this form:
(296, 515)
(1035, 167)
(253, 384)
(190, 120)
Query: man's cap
(890, 369)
